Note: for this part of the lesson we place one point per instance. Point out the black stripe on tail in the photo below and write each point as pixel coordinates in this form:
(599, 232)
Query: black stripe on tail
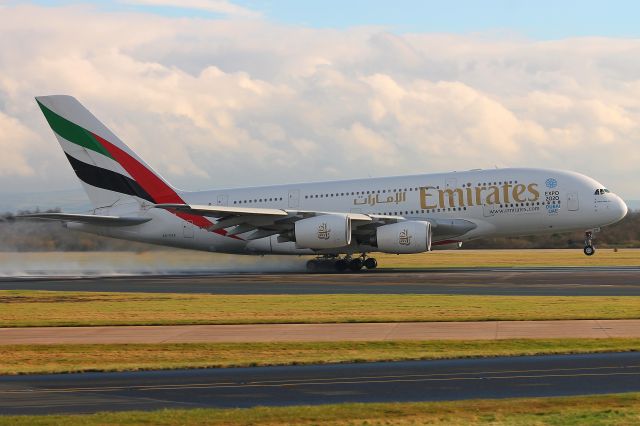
(107, 179)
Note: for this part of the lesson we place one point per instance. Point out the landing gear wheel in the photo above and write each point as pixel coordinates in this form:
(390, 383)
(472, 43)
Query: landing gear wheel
(313, 265)
(355, 264)
(370, 263)
(588, 244)
(341, 265)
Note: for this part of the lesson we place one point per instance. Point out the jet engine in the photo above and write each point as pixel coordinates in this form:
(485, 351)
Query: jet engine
(404, 237)
(323, 232)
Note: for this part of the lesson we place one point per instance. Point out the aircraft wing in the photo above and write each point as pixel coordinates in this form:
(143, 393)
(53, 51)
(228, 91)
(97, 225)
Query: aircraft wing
(264, 222)
(88, 219)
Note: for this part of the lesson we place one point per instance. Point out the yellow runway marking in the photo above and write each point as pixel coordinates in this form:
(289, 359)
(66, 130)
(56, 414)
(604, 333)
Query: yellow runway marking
(486, 375)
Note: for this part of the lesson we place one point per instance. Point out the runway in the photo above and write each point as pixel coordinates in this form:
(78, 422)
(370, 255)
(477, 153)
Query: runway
(476, 330)
(567, 281)
(371, 382)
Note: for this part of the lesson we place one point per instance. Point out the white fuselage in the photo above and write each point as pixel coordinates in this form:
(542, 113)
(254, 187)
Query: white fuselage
(500, 202)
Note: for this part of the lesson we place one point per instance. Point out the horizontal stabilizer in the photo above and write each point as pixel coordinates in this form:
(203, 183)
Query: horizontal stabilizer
(89, 219)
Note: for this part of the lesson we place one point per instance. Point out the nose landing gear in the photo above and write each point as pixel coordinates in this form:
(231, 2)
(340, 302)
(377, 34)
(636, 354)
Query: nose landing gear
(589, 250)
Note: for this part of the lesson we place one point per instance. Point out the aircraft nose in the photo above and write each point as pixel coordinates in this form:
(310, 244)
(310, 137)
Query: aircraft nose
(621, 208)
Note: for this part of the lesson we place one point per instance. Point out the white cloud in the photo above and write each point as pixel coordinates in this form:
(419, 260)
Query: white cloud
(230, 102)
(14, 141)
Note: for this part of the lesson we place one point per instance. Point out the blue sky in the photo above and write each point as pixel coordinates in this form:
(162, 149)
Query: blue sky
(542, 19)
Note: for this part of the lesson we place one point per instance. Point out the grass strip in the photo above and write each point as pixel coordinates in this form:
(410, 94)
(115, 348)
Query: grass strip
(509, 258)
(23, 308)
(602, 410)
(32, 359)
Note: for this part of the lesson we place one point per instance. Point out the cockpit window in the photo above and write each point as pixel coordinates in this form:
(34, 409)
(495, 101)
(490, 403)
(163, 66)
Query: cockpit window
(601, 191)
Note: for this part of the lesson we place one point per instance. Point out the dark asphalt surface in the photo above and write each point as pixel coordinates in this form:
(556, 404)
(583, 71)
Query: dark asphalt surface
(372, 382)
(585, 281)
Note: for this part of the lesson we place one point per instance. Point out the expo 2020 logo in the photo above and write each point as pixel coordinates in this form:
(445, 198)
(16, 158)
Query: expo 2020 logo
(551, 183)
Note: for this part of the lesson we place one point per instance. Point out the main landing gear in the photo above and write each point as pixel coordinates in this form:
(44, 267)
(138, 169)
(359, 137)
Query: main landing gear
(589, 250)
(335, 263)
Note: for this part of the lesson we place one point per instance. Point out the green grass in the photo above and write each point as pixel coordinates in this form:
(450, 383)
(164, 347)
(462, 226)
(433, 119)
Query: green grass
(42, 308)
(509, 258)
(31, 359)
(601, 410)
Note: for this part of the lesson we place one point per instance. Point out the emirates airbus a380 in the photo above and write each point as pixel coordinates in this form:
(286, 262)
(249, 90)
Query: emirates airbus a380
(338, 222)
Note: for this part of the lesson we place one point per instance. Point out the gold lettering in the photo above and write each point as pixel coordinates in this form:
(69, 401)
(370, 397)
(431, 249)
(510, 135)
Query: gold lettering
(494, 196)
(424, 195)
(505, 192)
(479, 194)
(451, 193)
(469, 192)
(533, 189)
(518, 190)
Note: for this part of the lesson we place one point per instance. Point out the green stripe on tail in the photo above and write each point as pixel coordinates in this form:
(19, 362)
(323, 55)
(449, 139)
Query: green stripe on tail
(72, 132)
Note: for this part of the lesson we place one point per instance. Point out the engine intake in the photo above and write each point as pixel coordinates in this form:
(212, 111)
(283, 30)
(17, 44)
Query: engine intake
(404, 237)
(323, 232)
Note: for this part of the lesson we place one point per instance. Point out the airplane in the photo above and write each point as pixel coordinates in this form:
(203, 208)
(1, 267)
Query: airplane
(338, 222)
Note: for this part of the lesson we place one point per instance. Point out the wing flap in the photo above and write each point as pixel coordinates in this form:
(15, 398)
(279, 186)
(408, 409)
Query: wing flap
(222, 211)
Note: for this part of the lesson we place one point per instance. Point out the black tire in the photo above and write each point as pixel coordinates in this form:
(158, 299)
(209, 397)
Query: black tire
(370, 263)
(313, 265)
(589, 250)
(341, 265)
(355, 264)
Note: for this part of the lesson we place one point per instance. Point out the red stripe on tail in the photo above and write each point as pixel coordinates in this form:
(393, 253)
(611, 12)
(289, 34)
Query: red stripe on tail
(159, 190)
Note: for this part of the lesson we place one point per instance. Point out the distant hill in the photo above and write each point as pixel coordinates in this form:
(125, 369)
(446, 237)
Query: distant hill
(47, 236)
(69, 200)
(633, 204)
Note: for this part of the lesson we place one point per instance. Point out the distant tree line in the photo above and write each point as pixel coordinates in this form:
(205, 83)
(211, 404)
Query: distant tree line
(45, 235)
(21, 235)
(625, 233)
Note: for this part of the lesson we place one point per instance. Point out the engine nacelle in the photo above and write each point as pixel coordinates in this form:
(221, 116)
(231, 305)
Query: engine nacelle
(323, 232)
(411, 236)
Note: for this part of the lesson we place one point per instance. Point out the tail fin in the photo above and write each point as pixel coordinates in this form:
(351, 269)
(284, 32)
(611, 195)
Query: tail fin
(110, 172)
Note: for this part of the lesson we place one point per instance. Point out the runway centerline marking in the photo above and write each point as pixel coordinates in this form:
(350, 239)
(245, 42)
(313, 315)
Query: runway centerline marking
(337, 382)
(485, 375)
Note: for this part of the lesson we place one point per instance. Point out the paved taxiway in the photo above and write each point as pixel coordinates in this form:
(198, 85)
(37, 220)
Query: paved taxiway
(371, 382)
(477, 330)
(584, 281)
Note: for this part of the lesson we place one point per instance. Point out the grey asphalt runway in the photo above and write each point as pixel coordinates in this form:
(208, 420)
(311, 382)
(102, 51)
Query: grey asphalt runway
(371, 382)
(585, 281)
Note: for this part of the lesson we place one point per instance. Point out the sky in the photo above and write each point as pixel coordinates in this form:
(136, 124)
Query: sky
(214, 93)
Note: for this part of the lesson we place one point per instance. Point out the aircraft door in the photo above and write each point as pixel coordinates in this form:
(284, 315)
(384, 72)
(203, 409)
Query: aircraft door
(294, 198)
(222, 200)
(187, 229)
(573, 203)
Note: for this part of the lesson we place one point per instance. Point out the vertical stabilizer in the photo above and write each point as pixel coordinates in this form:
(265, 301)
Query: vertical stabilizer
(110, 171)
